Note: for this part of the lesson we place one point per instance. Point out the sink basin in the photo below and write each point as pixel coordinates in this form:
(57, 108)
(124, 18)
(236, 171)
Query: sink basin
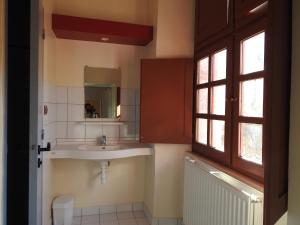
(99, 148)
(96, 152)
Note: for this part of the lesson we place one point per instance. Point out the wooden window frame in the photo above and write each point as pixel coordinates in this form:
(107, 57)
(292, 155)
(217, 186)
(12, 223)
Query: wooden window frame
(277, 94)
(249, 168)
(206, 150)
(230, 157)
(200, 43)
(245, 12)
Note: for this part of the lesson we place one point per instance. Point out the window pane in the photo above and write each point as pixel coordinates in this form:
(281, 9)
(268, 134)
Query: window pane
(252, 98)
(219, 61)
(201, 131)
(253, 54)
(251, 142)
(202, 100)
(202, 71)
(218, 134)
(218, 98)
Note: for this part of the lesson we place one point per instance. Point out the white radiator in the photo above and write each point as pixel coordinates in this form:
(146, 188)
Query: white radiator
(214, 198)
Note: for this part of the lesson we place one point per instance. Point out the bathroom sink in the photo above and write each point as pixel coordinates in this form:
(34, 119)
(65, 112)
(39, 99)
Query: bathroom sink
(98, 152)
(99, 147)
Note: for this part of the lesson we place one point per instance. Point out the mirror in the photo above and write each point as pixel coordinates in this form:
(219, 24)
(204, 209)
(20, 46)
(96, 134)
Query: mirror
(102, 90)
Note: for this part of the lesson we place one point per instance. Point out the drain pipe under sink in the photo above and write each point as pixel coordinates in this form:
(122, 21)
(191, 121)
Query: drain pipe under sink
(103, 167)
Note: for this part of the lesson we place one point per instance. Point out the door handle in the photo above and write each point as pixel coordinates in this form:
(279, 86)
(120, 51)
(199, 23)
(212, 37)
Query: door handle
(47, 149)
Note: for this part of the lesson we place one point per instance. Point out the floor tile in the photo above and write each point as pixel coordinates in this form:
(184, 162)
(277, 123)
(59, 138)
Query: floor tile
(89, 220)
(125, 215)
(108, 209)
(90, 211)
(142, 221)
(139, 214)
(109, 222)
(108, 217)
(127, 222)
(76, 220)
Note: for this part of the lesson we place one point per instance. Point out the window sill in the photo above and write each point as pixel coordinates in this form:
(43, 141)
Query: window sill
(235, 174)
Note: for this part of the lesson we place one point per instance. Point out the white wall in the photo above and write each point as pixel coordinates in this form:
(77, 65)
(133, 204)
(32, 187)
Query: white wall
(294, 170)
(73, 56)
(175, 28)
(125, 181)
(1, 106)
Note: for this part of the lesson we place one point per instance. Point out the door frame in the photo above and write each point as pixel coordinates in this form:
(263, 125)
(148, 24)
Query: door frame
(36, 52)
(23, 84)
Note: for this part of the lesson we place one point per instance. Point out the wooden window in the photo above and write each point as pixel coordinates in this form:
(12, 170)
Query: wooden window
(213, 86)
(256, 120)
(230, 90)
(214, 19)
(249, 84)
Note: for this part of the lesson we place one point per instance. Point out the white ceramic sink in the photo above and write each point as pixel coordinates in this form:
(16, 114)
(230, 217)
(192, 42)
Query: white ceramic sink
(96, 152)
(100, 148)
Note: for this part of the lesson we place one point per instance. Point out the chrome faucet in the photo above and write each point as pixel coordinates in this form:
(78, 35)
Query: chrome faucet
(103, 140)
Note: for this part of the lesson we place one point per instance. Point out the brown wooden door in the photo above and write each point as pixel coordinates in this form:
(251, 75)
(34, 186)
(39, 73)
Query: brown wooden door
(166, 101)
(214, 19)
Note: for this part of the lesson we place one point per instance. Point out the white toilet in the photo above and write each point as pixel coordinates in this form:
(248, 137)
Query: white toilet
(63, 210)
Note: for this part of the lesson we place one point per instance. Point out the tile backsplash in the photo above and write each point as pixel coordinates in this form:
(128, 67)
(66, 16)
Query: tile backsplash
(65, 120)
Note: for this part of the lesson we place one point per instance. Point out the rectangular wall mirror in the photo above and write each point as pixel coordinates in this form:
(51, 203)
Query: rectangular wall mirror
(102, 90)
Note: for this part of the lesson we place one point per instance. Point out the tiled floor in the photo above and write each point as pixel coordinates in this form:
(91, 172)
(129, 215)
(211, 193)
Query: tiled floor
(120, 218)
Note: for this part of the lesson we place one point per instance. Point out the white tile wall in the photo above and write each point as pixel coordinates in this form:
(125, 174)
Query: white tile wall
(93, 131)
(49, 93)
(62, 112)
(76, 130)
(137, 113)
(49, 134)
(111, 131)
(62, 95)
(50, 117)
(128, 96)
(137, 97)
(75, 112)
(61, 130)
(128, 130)
(128, 113)
(66, 111)
(76, 95)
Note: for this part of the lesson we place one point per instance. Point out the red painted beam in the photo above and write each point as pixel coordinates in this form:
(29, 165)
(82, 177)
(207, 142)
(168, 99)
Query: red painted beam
(85, 29)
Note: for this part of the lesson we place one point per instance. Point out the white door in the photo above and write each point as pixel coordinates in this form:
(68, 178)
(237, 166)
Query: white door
(36, 117)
